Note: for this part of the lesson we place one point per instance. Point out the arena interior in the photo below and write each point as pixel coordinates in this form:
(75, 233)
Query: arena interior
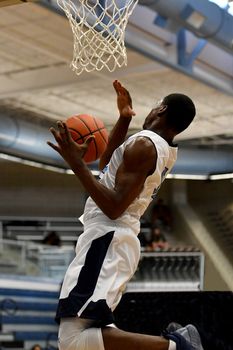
(172, 46)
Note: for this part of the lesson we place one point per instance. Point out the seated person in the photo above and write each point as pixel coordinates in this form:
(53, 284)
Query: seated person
(52, 238)
(158, 240)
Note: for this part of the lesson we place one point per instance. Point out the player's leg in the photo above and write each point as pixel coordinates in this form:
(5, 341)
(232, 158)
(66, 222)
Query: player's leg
(117, 339)
(175, 337)
(79, 334)
(76, 334)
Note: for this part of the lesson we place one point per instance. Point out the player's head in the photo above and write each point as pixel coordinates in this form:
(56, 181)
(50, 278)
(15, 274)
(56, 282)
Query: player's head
(180, 111)
(176, 112)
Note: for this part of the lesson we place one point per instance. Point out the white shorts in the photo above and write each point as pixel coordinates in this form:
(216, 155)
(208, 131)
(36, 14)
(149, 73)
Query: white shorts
(77, 334)
(106, 258)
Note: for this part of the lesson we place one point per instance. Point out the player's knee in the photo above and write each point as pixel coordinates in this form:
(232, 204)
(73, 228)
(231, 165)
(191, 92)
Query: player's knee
(88, 339)
(67, 344)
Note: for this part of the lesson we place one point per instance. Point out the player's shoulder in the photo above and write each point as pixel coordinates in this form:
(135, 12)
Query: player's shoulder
(141, 137)
(140, 153)
(141, 144)
(147, 137)
(152, 139)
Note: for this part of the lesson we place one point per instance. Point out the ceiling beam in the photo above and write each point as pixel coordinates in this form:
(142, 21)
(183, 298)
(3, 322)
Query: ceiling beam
(142, 43)
(203, 18)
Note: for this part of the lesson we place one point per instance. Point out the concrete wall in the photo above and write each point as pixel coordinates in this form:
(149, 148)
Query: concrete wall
(218, 192)
(30, 191)
(198, 194)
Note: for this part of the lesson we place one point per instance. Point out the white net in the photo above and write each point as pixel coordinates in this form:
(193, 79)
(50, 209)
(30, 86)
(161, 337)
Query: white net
(98, 28)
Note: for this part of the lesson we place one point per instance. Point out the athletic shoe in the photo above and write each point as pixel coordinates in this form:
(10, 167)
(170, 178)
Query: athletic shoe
(173, 326)
(186, 338)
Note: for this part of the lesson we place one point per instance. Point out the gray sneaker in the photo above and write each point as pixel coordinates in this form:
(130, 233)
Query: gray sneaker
(186, 338)
(173, 326)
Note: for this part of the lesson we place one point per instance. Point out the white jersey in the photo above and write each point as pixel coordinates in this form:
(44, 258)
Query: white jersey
(166, 158)
(108, 251)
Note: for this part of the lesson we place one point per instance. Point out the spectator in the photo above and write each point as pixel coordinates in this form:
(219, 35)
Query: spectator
(158, 240)
(161, 215)
(36, 347)
(52, 238)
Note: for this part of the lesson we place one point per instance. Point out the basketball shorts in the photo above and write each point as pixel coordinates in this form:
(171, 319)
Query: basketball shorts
(106, 258)
(78, 334)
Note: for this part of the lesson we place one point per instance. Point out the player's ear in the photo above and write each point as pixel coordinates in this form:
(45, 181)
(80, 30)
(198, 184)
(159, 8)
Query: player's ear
(162, 109)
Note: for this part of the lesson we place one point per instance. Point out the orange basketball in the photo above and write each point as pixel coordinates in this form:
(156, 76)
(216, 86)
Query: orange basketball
(81, 127)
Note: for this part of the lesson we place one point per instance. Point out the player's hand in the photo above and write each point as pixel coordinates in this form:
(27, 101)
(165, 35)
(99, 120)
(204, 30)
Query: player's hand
(70, 151)
(124, 100)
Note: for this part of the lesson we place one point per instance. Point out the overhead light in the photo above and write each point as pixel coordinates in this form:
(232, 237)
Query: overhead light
(96, 172)
(221, 176)
(32, 163)
(200, 177)
(196, 20)
(41, 165)
(192, 17)
(187, 177)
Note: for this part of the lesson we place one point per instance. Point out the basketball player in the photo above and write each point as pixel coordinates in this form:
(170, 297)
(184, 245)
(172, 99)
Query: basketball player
(108, 251)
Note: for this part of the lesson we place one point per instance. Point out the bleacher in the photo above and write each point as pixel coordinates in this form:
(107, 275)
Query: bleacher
(34, 259)
(34, 229)
(27, 307)
(179, 267)
(169, 270)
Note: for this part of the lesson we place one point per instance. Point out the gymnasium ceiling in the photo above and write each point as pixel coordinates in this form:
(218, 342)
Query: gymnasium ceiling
(36, 50)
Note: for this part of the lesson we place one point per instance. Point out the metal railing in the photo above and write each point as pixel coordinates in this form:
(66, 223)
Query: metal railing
(164, 269)
(169, 270)
(34, 259)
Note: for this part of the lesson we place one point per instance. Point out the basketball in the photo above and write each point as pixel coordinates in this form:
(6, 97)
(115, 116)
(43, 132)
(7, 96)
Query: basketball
(81, 127)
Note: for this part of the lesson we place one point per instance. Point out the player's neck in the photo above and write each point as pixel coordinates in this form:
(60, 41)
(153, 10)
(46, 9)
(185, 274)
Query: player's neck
(167, 135)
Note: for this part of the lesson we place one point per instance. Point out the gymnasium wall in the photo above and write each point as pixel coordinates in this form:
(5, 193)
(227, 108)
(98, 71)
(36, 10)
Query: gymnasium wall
(213, 280)
(30, 191)
(218, 192)
(202, 196)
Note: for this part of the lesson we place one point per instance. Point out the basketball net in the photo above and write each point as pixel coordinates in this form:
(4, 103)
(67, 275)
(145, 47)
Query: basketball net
(98, 28)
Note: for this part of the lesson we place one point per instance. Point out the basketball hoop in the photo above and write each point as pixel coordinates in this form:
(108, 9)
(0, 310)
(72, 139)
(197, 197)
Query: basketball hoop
(98, 28)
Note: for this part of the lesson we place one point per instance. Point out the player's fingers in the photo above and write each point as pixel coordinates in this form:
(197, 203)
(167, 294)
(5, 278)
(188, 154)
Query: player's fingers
(116, 86)
(124, 92)
(89, 140)
(67, 131)
(128, 111)
(86, 144)
(55, 134)
(121, 90)
(131, 111)
(64, 131)
(129, 97)
(56, 148)
(61, 128)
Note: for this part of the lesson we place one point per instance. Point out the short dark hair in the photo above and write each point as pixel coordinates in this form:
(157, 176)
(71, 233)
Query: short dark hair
(180, 111)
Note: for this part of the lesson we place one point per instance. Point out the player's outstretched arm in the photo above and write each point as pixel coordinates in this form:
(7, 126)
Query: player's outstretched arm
(118, 133)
